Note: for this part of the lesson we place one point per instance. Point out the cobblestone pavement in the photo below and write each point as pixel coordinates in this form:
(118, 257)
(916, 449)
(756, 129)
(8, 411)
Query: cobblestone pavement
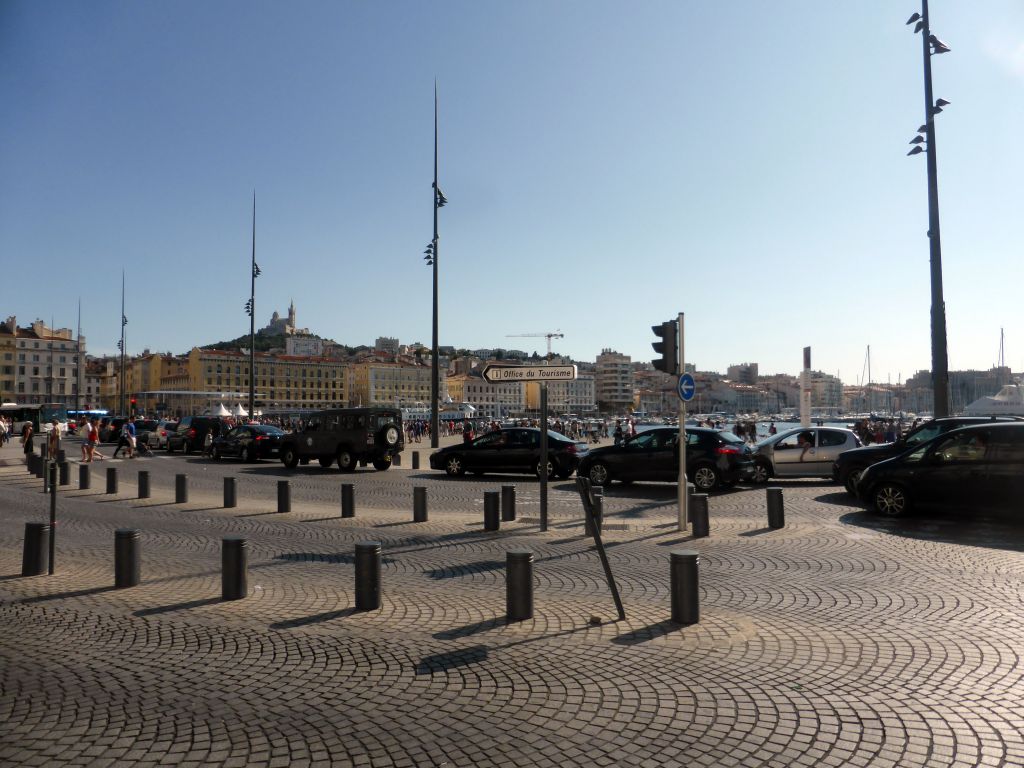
(839, 640)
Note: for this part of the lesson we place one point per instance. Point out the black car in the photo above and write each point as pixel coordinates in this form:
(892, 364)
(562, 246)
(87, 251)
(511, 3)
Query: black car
(976, 466)
(110, 429)
(849, 464)
(713, 459)
(516, 449)
(348, 436)
(249, 442)
(191, 433)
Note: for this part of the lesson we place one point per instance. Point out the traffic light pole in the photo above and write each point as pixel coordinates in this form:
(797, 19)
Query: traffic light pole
(684, 518)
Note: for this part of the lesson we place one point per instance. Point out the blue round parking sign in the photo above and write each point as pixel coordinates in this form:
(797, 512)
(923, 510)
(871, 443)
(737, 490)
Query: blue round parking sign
(686, 388)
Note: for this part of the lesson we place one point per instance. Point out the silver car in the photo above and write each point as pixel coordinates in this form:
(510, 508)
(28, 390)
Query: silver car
(801, 452)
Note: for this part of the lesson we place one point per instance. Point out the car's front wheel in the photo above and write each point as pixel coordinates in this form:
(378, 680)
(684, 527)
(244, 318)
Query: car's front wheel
(382, 464)
(762, 472)
(891, 500)
(289, 458)
(346, 461)
(453, 466)
(705, 478)
(550, 469)
(851, 480)
(598, 474)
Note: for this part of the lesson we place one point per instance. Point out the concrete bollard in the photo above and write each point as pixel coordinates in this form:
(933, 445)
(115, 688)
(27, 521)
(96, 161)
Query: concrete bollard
(415, 459)
(84, 477)
(348, 500)
(396, 460)
(111, 479)
(419, 504)
(776, 509)
(598, 493)
(492, 501)
(234, 574)
(230, 492)
(368, 575)
(144, 484)
(181, 489)
(35, 556)
(699, 515)
(65, 473)
(127, 566)
(518, 585)
(508, 503)
(284, 497)
(684, 576)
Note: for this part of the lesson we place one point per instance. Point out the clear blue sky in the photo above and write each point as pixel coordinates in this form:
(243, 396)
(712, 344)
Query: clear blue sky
(607, 165)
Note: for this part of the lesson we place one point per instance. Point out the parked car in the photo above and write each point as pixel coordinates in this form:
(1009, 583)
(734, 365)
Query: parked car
(801, 452)
(144, 429)
(516, 449)
(158, 437)
(713, 459)
(347, 436)
(849, 465)
(249, 442)
(110, 429)
(978, 466)
(190, 433)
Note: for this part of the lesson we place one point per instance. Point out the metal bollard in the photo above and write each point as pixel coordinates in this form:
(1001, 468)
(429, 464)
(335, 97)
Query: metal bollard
(40, 468)
(699, 515)
(776, 510)
(367, 575)
(492, 500)
(508, 503)
(180, 489)
(234, 563)
(111, 479)
(419, 504)
(230, 492)
(415, 459)
(65, 473)
(518, 585)
(127, 566)
(348, 500)
(62, 455)
(46, 476)
(396, 460)
(84, 477)
(143, 484)
(30, 463)
(685, 586)
(35, 556)
(284, 497)
(44, 451)
(598, 493)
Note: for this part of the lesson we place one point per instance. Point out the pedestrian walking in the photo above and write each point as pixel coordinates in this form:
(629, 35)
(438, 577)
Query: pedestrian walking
(26, 439)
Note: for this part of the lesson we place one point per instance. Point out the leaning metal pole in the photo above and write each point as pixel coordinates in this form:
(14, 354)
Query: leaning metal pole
(434, 421)
(252, 315)
(940, 361)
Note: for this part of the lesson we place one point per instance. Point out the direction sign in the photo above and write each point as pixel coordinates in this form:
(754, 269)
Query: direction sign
(686, 388)
(499, 373)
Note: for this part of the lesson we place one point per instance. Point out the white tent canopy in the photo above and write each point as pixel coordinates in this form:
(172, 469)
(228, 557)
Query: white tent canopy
(222, 411)
(239, 411)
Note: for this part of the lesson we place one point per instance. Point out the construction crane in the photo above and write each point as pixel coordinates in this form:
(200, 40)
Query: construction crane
(549, 336)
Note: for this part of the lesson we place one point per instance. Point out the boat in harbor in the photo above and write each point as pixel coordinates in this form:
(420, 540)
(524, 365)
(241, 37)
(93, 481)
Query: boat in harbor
(1008, 401)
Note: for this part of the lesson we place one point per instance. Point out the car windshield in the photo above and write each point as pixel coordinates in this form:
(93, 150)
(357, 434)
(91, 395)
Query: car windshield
(729, 437)
(265, 429)
(924, 434)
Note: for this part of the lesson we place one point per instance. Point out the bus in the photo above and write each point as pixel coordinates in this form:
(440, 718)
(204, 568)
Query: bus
(38, 415)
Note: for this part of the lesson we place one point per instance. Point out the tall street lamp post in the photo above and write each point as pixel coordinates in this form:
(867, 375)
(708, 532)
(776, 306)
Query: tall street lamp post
(431, 258)
(931, 45)
(250, 309)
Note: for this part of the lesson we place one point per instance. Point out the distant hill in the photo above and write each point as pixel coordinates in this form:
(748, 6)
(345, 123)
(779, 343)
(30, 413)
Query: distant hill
(264, 342)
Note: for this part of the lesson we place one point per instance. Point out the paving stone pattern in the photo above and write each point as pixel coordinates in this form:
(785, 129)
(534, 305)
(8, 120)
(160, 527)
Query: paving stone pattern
(839, 640)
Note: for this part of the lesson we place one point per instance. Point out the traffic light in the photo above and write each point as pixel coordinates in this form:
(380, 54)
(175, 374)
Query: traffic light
(668, 347)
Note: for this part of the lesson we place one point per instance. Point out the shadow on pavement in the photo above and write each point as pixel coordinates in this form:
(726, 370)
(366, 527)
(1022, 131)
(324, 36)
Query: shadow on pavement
(469, 629)
(315, 619)
(343, 558)
(839, 499)
(442, 662)
(176, 607)
(481, 566)
(990, 529)
(757, 532)
(62, 595)
(648, 633)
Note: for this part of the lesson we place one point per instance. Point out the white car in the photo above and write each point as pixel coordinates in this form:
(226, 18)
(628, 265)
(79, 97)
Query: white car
(158, 437)
(801, 452)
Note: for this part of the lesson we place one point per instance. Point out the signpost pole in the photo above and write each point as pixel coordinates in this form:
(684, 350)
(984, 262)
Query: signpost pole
(543, 456)
(683, 521)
